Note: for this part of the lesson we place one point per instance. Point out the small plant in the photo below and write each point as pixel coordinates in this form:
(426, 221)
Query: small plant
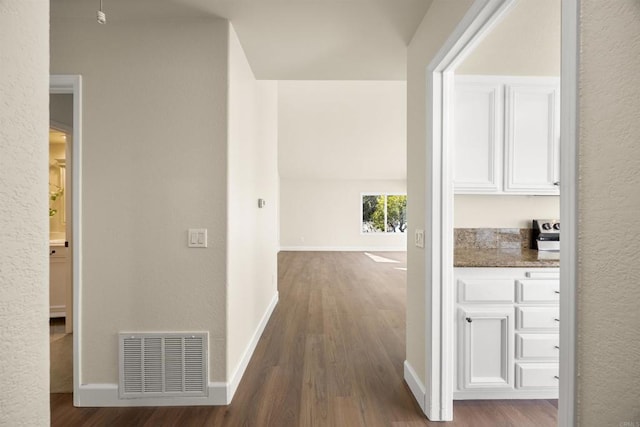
(53, 196)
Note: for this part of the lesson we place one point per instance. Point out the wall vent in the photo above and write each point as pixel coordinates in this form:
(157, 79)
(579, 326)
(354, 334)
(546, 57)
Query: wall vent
(163, 365)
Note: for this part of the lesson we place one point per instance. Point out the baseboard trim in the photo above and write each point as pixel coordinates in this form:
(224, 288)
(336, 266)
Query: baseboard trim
(415, 385)
(106, 395)
(251, 347)
(220, 393)
(504, 395)
(343, 249)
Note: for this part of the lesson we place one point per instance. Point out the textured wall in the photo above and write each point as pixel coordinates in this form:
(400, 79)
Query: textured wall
(437, 25)
(24, 262)
(609, 220)
(154, 165)
(252, 174)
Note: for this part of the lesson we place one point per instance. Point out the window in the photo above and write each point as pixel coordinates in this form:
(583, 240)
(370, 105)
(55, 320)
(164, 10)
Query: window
(384, 213)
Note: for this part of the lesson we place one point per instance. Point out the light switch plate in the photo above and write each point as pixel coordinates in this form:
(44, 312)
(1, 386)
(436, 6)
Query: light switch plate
(419, 238)
(197, 238)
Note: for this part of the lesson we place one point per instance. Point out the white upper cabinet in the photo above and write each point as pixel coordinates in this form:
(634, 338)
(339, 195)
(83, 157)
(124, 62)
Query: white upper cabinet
(532, 138)
(478, 135)
(506, 135)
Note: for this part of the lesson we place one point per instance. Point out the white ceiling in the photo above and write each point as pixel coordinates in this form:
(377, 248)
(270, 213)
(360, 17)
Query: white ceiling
(293, 39)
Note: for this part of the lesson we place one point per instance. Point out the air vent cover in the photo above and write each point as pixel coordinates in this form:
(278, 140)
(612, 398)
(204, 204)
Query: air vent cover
(163, 365)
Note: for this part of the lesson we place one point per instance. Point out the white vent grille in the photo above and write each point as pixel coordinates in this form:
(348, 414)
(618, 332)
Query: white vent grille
(163, 365)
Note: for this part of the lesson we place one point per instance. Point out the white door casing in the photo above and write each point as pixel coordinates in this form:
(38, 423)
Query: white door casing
(478, 21)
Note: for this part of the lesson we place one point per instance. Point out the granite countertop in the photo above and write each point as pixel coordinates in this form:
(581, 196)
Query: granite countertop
(492, 257)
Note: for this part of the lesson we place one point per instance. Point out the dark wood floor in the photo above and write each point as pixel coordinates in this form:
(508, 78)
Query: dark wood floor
(331, 355)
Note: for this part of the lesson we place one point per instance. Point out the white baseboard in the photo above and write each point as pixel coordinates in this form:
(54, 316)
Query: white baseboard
(56, 311)
(220, 393)
(248, 352)
(343, 249)
(106, 395)
(505, 395)
(415, 385)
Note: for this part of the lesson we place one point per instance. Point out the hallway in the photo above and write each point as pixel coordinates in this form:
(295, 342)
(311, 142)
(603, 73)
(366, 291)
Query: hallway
(331, 355)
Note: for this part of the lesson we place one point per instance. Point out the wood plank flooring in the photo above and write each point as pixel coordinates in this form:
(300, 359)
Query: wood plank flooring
(331, 355)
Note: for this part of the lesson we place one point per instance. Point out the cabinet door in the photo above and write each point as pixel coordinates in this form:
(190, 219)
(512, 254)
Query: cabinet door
(486, 348)
(532, 138)
(477, 134)
(58, 277)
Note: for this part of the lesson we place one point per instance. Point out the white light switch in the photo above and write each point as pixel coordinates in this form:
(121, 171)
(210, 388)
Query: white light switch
(419, 238)
(197, 238)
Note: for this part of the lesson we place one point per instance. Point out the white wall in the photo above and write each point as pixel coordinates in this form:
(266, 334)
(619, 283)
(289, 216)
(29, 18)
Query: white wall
(253, 232)
(338, 139)
(24, 263)
(325, 215)
(61, 108)
(609, 202)
(154, 165)
(480, 211)
(526, 42)
(437, 25)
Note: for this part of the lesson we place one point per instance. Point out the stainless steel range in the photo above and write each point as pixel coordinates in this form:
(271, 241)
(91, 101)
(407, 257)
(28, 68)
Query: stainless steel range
(546, 235)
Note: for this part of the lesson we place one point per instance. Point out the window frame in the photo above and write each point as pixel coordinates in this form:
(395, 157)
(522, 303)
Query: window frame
(385, 194)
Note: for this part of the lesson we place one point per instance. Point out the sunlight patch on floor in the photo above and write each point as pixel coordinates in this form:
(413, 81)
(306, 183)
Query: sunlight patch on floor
(378, 258)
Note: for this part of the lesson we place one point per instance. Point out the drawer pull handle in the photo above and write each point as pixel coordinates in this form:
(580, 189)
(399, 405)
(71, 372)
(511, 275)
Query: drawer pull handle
(556, 377)
(468, 319)
(556, 292)
(557, 346)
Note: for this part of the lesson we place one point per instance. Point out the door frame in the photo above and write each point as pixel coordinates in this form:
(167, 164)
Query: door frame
(481, 18)
(72, 84)
(68, 130)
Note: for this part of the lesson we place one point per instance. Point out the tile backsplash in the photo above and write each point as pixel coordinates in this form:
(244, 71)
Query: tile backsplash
(492, 238)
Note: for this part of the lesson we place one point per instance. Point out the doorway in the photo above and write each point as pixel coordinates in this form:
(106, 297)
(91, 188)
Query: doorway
(65, 220)
(480, 19)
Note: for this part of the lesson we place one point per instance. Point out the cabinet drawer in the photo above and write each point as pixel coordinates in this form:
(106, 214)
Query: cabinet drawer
(57, 252)
(485, 290)
(536, 375)
(537, 318)
(537, 346)
(538, 290)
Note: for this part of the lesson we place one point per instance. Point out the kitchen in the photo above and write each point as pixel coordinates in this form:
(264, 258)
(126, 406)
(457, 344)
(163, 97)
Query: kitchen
(506, 206)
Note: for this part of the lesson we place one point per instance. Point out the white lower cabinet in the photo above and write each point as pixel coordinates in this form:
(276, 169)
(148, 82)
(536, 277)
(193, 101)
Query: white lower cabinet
(486, 341)
(58, 281)
(507, 343)
(536, 376)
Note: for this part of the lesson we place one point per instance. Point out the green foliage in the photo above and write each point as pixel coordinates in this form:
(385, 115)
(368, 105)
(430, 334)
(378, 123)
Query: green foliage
(396, 214)
(53, 196)
(373, 213)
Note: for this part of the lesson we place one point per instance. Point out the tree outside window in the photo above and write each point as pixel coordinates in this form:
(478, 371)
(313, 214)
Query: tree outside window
(384, 213)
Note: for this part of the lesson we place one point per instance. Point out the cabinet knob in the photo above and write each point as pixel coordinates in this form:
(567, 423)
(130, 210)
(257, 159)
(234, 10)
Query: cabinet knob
(557, 320)
(556, 183)
(52, 252)
(556, 377)
(557, 346)
(556, 292)
(468, 319)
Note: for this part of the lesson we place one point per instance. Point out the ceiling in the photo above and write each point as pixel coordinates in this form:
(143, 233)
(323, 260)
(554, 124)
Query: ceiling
(292, 39)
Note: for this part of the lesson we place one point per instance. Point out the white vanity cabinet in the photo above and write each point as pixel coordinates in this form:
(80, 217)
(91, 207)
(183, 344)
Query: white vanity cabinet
(506, 135)
(58, 280)
(507, 343)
